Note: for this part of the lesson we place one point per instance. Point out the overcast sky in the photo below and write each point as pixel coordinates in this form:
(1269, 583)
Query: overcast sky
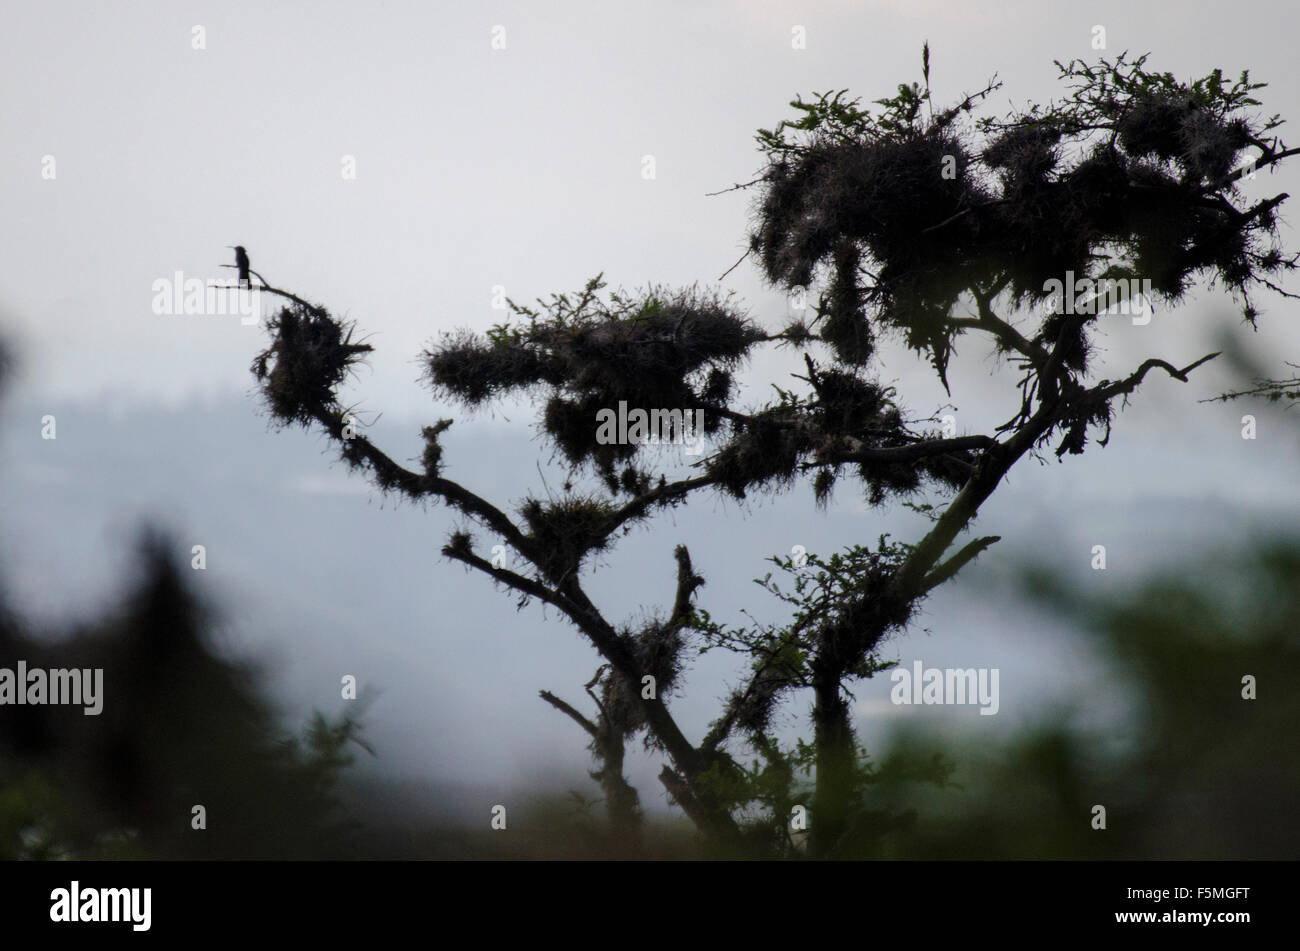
(522, 168)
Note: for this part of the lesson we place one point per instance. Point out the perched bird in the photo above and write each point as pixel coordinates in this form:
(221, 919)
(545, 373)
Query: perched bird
(241, 262)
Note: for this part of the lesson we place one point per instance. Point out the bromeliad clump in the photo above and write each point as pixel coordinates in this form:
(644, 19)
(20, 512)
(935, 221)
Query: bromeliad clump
(309, 357)
(565, 532)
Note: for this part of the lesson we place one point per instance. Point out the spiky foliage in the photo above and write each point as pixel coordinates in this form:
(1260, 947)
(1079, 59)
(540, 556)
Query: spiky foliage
(179, 718)
(839, 621)
(842, 615)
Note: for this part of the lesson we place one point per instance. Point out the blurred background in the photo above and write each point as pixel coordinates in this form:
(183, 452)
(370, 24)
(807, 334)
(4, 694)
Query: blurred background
(483, 169)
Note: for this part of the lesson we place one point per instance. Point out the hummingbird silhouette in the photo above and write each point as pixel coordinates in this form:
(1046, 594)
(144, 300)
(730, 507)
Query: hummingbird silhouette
(241, 262)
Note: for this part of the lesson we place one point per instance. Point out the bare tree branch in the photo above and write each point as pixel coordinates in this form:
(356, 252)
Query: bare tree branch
(954, 564)
(570, 712)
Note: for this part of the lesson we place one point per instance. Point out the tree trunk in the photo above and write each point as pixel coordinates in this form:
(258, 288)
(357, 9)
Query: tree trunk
(836, 768)
(622, 804)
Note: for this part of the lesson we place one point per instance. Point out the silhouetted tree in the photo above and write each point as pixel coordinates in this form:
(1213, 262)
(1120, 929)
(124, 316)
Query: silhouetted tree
(905, 213)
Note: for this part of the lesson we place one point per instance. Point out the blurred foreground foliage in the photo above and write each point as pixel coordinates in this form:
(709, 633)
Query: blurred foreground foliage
(1195, 772)
(180, 726)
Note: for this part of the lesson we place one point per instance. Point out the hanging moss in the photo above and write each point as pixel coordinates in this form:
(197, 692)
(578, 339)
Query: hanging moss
(824, 485)
(1177, 127)
(846, 327)
(767, 451)
(475, 370)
